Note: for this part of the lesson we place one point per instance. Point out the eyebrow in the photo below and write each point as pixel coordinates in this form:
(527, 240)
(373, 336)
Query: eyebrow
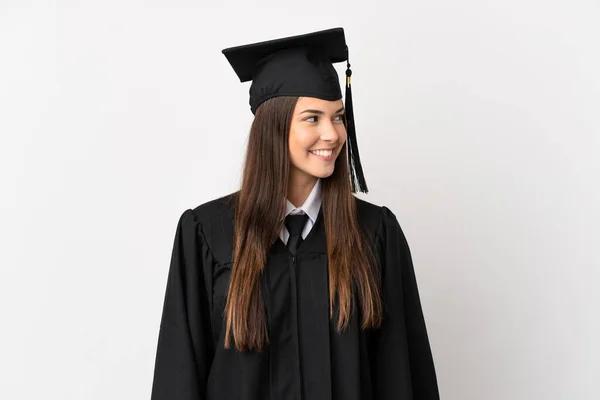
(319, 111)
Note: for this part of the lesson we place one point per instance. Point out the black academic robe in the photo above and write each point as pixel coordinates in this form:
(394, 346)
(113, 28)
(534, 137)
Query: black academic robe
(307, 358)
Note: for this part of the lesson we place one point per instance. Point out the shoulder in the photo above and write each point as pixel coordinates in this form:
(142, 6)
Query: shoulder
(214, 211)
(206, 213)
(374, 215)
(211, 225)
(377, 219)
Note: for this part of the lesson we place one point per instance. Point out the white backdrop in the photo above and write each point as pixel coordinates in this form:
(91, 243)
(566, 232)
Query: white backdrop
(478, 125)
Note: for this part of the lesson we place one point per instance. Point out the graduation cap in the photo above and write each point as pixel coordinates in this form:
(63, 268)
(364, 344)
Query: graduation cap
(300, 66)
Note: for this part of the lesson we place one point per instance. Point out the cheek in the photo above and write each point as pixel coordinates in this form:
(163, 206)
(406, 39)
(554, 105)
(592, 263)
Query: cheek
(300, 142)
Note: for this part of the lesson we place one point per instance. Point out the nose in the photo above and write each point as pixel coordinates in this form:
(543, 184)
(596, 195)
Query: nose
(329, 132)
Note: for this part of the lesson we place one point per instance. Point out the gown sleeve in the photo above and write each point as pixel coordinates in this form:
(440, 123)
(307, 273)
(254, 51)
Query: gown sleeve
(184, 351)
(403, 362)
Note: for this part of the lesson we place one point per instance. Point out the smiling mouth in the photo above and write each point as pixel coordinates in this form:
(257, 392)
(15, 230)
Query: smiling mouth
(324, 153)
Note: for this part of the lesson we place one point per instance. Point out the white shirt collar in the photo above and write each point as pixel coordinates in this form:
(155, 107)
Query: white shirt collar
(311, 206)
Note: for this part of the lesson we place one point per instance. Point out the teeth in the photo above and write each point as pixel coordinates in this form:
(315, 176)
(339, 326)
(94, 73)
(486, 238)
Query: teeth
(322, 152)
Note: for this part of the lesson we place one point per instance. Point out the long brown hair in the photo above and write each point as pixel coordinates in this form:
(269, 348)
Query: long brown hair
(260, 215)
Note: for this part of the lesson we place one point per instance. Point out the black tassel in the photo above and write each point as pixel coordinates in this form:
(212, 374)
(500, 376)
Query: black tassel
(354, 164)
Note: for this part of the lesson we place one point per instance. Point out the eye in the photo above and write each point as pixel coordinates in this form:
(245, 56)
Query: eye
(339, 117)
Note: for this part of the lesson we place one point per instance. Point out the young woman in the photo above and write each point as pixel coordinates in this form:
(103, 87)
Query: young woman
(292, 288)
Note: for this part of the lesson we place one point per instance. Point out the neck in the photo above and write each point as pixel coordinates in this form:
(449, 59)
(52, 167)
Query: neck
(299, 188)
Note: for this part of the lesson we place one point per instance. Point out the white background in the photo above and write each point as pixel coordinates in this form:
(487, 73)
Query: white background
(478, 125)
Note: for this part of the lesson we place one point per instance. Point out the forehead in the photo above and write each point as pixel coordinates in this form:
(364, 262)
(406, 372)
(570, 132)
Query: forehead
(318, 104)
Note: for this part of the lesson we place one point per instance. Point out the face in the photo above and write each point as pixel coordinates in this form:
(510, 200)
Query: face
(316, 125)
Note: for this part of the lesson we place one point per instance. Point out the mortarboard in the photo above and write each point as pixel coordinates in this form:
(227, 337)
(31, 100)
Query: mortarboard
(300, 66)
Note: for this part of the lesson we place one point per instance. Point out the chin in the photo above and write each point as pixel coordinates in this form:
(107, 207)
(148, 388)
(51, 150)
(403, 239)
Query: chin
(323, 174)
(318, 172)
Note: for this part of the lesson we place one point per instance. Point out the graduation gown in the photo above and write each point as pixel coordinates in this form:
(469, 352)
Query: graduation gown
(307, 359)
